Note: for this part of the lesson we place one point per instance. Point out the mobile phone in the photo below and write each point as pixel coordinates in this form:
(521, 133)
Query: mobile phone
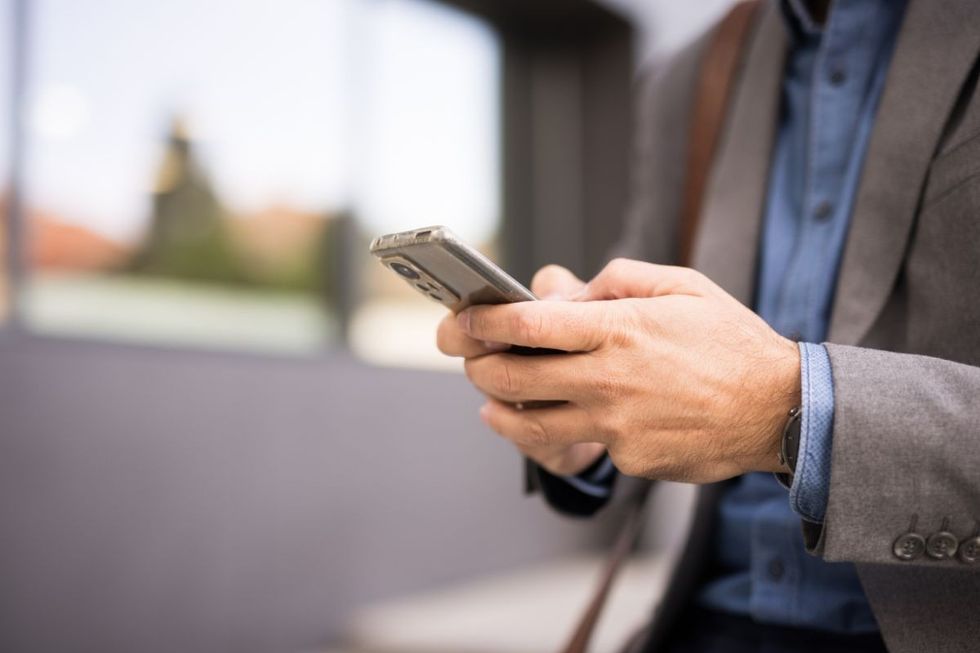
(445, 269)
(435, 262)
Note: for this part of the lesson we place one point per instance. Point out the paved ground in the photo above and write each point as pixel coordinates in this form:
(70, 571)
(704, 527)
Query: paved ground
(530, 611)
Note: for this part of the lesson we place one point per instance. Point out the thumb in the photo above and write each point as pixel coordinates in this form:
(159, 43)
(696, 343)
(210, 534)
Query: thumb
(555, 282)
(623, 278)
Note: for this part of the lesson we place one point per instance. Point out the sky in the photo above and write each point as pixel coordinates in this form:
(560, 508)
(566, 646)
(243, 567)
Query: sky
(5, 58)
(386, 106)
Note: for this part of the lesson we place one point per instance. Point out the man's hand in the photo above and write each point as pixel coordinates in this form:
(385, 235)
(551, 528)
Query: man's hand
(550, 283)
(673, 376)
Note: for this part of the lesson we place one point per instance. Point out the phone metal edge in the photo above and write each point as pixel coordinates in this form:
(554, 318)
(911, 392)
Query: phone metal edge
(502, 281)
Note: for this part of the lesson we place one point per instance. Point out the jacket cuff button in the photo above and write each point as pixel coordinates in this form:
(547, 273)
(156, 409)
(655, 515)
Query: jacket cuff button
(909, 546)
(969, 552)
(942, 544)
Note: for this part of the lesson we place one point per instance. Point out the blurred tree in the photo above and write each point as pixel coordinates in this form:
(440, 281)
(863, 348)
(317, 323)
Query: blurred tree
(187, 237)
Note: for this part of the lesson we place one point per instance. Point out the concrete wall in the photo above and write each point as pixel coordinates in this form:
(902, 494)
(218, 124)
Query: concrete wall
(157, 500)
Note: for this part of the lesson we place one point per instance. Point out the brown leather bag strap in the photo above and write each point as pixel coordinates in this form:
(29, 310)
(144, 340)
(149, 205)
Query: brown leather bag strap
(625, 541)
(716, 77)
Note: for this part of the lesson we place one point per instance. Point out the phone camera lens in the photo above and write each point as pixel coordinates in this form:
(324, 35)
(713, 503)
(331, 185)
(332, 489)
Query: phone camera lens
(405, 271)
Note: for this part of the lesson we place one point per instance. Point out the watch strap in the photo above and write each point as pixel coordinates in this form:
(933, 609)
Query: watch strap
(789, 446)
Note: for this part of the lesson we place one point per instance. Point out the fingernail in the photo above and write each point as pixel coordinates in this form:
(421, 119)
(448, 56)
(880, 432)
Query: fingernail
(463, 320)
(485, 413)
(552, 297)
(495, 346)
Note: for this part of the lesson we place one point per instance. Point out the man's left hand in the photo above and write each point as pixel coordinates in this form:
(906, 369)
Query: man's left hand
(674, 376)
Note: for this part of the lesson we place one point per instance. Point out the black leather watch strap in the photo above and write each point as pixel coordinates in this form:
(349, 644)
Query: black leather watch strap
(789, 449)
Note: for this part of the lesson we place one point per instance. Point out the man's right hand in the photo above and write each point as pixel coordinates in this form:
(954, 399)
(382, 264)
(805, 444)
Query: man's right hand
(552, 282)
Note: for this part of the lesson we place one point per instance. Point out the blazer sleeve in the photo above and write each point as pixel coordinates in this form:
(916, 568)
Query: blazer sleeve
(905, 457)
(564, 497)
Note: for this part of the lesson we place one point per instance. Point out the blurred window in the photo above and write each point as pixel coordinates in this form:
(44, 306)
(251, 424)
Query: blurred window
(429, 142)
(193, 167)
(6, 68)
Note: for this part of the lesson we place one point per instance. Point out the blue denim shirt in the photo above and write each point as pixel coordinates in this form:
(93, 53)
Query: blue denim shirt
(832, 82)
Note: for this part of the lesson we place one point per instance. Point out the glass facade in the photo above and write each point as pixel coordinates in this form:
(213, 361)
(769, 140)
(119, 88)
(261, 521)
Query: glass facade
(7, 47)
(428, 148)
(209, 174)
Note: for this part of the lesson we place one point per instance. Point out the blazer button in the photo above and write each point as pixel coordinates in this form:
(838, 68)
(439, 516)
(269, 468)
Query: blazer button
(909, 546)
(942, 545)
(970, 550)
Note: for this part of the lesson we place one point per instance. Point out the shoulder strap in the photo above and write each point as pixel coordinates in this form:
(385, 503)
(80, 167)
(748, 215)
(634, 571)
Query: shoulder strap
(716, 78)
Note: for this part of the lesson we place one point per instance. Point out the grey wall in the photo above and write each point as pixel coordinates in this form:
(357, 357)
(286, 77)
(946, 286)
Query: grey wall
(181, 501)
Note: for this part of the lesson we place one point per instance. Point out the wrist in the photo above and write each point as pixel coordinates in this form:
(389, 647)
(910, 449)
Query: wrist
(784, 396)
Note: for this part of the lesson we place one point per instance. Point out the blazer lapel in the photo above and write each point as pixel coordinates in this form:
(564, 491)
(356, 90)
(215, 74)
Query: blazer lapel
(936, 48)
(728, 236)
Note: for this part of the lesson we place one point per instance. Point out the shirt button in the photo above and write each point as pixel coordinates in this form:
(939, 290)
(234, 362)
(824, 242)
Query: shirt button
(909, 546)
(776, 569)
(823, 211)
(838, 76)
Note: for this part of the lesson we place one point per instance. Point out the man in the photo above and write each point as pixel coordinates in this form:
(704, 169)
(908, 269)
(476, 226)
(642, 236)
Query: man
(844, 206)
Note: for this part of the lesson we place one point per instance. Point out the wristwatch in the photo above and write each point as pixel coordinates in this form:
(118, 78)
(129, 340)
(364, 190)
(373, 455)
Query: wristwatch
(789, 447)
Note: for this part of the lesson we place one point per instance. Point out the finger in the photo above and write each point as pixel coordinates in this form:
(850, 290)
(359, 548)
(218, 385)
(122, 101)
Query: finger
(562, 425)
(568, 326)
(451, 341)
(623, 278)
(513, 378)
(555, 282)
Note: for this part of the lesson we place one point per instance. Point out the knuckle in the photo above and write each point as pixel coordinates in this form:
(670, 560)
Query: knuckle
(610, 388)
(503, 379)
(617, 267)
(626, 464)
(529, 326)
(612, 426)
(546, 276)
(537, 434)
(632, 463)
(691, 276)
(615, 328)
(476, 321)
(692, 279)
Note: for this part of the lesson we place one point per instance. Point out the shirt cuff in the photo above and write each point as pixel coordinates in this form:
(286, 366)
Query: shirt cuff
(811, 482)
(596, 481)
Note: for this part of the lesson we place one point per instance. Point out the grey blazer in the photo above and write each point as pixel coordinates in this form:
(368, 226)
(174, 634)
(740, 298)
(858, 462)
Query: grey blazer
(905, 328)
